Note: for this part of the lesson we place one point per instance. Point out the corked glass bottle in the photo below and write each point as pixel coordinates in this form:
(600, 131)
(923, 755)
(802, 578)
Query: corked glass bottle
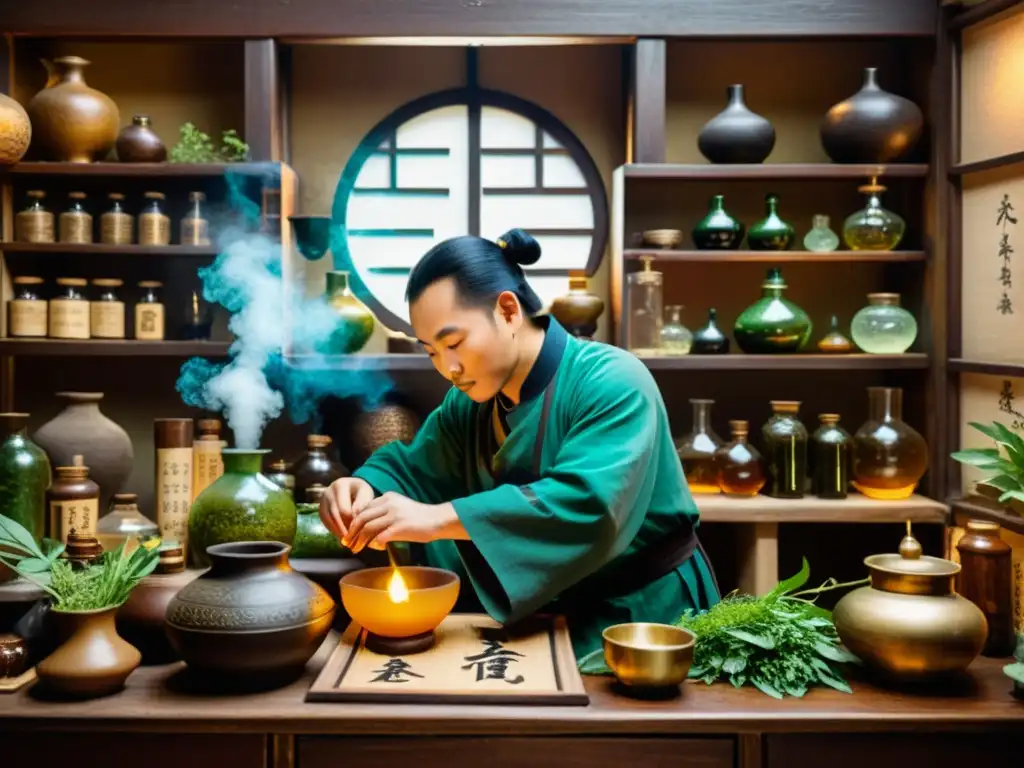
(830, 458)
(315, 466)
(278, 473)
(740, 466)
(785, 440)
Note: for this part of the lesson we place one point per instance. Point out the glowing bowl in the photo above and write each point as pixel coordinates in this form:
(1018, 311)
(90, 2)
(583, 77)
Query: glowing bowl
(432, 593)
(646, 655)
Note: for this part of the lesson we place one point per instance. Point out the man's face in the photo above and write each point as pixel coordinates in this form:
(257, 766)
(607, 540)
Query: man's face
(474, 348)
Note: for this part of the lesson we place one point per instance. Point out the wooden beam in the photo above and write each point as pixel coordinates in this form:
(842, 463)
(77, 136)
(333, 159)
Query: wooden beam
(418, 18)
(981, 12)
(262, 101)
(648, 73)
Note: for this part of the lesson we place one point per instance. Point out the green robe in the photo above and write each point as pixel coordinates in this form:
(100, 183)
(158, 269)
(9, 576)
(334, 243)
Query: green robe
(610, 484)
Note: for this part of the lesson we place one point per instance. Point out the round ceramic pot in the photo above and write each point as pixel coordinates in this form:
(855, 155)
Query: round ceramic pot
(92, 660)
(141, 619)
(251, 616)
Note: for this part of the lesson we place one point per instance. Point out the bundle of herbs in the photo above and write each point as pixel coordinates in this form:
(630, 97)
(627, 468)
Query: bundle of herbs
(104, 584)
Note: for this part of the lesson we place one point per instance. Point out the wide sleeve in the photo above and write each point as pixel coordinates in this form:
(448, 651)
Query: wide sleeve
(536, 540)
(430, 468)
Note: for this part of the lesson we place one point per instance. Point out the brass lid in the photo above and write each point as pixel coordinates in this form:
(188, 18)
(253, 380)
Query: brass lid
(125, 499)
(142, 120)
(28, 280)
(910, 572)
(155, 196)
(318, 441)
(315, 492)
(884, 299)
(172, 558)
(150, 284)
(828, 418)
(279, 465)
(873, 188)
(785, 406)
(578, 283)
(115, 196)
(985, 527)
(739, 426)
(209, 428)
(76, 281)
(108, 282)
(76, 195)
(77, 470)
(36, 193)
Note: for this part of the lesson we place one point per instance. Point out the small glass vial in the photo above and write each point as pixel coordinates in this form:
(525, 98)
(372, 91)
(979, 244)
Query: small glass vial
(785, 442)
(149, 312)
(821, 239)
(740, 466)
(873, 228)
(116, 226)
(106, 310)
(645, 313)
(27, 311)
(75, 222)
(830, 458)
(195, 229)
(676, 338)
(69, 310)
(35, 223)
(154, 224)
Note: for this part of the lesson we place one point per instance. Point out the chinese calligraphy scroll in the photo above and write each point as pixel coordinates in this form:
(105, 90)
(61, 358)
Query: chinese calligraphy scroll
(1005, 219)
(173, 439)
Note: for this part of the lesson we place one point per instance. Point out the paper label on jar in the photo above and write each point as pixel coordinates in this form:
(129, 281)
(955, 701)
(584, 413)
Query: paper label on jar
(28, 317)
(149, 321)
(107, 319)
(80, 515)
(208, 464)
(1016, 542)
(154, 229)
(173, 492)
(69, 319)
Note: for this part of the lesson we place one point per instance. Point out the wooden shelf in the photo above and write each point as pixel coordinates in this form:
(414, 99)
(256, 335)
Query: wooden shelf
(981, 12)
(358, 362)
(99, 249)
(112, 348)
(983, 509)
(777, 257)
(1000, 161)
(798, 362)
(795, 171)
(961, 365)
(853, 509)
(181, 170)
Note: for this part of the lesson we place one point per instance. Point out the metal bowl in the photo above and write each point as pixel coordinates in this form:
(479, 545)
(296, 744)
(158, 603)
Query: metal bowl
(663, 238)
(647, 655)
(432, 595)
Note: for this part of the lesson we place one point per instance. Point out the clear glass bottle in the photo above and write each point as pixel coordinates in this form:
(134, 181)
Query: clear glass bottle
(154, 224)
(116, 226)
(75, 223)
(69, 310)
(739, 464)
(830, 458)
(195, 228)
(106, 311)
(149, 312)
(785, 441)
(889, 456)
(873, 228)
(645, 310)
(676, 338)
(697, 450)
(821, 239)
(34, 224)
(27, 311)
(124, 523)
(883, 327)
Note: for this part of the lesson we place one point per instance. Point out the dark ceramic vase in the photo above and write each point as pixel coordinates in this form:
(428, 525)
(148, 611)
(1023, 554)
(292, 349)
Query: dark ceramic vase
(579, 309)
(717, 230)
(736, 135)
(709, 339)
(24, 478)
(772, 324)
(312, 235)
(251, 617)
(316, 466)
(872, 126)
(771, 233)
(138, 143)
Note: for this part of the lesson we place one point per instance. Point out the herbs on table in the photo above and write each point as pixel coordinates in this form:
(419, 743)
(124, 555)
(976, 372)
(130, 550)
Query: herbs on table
(1007, 472)
(194, 146)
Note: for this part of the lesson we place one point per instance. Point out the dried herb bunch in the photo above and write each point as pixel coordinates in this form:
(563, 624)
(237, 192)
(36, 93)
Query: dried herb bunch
(105, 584)
(194, 146)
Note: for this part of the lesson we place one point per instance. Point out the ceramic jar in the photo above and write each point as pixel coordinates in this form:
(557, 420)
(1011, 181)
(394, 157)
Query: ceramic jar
(579, 309)
(92, 660)
(25, 474)
(889, 456)
(15, 130)
(772, 324)
(736, 135)
(138, 143)
(250, 617)
(315, 466)
(355, 320)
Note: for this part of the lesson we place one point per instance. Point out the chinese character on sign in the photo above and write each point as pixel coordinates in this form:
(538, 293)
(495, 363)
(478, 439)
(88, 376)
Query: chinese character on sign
(1006, 398)
(1004, 218)
(394, 671)
(492, 663)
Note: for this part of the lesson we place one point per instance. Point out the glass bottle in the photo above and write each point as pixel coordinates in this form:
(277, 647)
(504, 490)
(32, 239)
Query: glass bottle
(34, 224)
(785, 442)
(149, 312)
(69, 310)
(771, 233)
(717, 230)
(834, 341)
(739, 464)
(116, 226)
(821, 238)
(124, 523)
(279, 474)
(873, 228)
(26, 312)
(73, 500)
(198, 323)
(830, 458)
(676, 338)
(889, 456)
(315, 466)
(772, 324)
(697, 450)
(709, 339)
(106, 311)
(195, 228)
(986, 579)
(645, 312)
(24, 477)
(355, 320)
(76, 223)
(154, 224)
(883, 327)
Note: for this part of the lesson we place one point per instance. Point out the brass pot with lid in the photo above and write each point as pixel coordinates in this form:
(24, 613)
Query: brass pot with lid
(909, 624)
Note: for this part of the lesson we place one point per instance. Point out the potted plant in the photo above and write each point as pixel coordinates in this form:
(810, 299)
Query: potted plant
(92, 659)
(1005, 462)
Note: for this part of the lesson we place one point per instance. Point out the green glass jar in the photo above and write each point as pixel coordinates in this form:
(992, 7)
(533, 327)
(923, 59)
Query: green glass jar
(771, 233)
(24, 478)
(772, 324)
(240, 505)
(312, 539)
(717, 230)
(355, 320)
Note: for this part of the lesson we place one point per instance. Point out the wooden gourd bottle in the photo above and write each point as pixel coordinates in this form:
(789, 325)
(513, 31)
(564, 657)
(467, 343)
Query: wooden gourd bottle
(986, 579)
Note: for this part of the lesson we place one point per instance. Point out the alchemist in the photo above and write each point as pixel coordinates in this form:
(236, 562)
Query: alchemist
(547, 479)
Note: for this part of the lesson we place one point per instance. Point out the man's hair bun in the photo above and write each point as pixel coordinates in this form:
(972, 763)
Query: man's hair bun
(519, 247)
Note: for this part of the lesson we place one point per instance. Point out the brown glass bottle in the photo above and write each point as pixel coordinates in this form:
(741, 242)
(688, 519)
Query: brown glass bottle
(696, 450)
(740, 466)
(279, 474)
(74, 501)
(986, 579)
(830, 458)
(785, 442)
(315, 466)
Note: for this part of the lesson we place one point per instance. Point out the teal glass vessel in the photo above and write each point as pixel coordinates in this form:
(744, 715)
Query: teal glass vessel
(717, 231)
(771, 233)
(24, 477)
(772, 324)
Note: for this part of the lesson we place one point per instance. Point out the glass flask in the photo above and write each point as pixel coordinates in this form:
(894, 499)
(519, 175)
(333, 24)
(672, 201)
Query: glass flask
(124, 523)
(709, 339)
(740, 466)
(873, 228)
(645, 313)
(889, 456)
(771, 233)
(697, 450)
(834, 341)
(772, 324)
(883, 327)
(785, 441)
(821, 239)
(717, 230)
(676, 338)
(830, 458)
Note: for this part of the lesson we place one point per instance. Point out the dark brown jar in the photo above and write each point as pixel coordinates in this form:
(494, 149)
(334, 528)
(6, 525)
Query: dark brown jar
(73, 501)
(138, 143)
(316, 466)
(279, 474)
(986, 579)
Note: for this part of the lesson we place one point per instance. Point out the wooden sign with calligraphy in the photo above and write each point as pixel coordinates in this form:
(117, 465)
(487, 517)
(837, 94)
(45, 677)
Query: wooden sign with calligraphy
(473, 661)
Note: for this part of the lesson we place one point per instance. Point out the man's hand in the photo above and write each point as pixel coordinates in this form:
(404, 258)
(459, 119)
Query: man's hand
(393, 517)
(344, 499)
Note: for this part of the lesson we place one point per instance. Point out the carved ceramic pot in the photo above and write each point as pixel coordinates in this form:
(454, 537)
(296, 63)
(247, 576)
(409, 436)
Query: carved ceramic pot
(250, 617)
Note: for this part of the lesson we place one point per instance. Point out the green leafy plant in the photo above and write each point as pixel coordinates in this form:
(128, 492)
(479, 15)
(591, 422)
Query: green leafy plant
(194, 146)
(1007, 471)
(104, 584)
(1016, 670)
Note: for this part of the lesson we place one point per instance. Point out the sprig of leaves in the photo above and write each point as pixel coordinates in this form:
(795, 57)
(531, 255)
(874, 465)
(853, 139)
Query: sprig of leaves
(1008, 472)
(195, 146)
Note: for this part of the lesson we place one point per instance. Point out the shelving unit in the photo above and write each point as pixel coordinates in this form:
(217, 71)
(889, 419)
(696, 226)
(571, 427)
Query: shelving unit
(773, 171)
(112, 348)
(773, 257)
(99, 249)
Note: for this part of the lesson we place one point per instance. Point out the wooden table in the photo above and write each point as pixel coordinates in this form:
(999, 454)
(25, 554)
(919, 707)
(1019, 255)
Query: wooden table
(160, 720)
